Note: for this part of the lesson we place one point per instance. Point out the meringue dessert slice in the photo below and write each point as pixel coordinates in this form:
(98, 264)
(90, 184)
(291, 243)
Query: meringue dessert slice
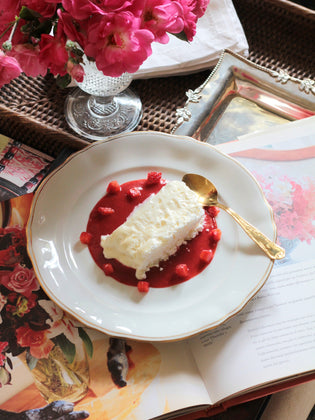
(156, 228)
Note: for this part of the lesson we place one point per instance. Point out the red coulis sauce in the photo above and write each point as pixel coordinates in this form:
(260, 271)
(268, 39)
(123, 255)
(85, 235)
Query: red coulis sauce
(164, 275)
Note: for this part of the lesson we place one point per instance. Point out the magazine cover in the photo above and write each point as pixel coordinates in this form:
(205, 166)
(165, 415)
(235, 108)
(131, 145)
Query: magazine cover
(21, 168)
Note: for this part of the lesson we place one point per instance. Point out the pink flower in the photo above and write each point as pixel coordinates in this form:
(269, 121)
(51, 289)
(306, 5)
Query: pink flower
(83, 9)
(28, 57)
(9, 69)
(53, 54)
(190, 19)
(37, 341)
(8, 10)
(21, 280)
(71, 30)
(199, 7)
(162, 16)
(116, 34)
(76, 71)
(118, 44)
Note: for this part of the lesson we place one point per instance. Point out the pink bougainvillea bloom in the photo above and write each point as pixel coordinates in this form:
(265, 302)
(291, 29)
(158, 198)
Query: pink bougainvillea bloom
(53, 54)
(162, 16)
(71, 28)
(83, 9)
(22, 280)
(190, 19)
(37, 341)
(44, 8)
(76, 71)
(117, 43)
(9, 69)
(116, 34)
(28, 57)
(8, 10)
(199, 7)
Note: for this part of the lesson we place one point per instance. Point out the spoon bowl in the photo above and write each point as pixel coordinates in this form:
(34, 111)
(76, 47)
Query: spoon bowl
(208, 196)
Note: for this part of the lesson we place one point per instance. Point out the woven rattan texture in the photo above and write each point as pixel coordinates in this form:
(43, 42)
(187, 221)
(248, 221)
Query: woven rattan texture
(280, 36)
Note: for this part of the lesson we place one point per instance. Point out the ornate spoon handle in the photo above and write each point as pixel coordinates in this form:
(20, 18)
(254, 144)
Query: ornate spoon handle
(274, 251)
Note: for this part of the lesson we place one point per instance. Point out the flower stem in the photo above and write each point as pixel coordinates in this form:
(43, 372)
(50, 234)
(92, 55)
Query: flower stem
(7, 45)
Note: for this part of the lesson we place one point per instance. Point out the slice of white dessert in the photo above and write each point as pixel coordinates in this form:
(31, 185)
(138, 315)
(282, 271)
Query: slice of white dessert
(156, 228)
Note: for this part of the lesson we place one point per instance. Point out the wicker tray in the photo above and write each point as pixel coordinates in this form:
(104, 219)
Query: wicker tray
(31, 110)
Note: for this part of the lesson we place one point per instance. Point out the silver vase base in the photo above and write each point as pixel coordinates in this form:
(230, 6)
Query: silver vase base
(92, 118)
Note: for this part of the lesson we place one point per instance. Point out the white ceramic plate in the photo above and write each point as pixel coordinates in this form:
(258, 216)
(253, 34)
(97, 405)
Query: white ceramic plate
(69, 276)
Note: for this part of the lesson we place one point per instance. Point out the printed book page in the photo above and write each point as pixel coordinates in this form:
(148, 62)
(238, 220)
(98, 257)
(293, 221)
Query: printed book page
(273, 337)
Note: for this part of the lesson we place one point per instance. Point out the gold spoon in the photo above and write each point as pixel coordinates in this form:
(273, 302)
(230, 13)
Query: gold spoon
(208, 196)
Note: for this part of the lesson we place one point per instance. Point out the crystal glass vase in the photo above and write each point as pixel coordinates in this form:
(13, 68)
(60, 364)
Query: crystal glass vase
(102, 106)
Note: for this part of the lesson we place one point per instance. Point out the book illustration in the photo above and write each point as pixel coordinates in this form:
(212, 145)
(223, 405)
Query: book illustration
(63, 361)
(290, 191)
(57, 410)
(292, 201)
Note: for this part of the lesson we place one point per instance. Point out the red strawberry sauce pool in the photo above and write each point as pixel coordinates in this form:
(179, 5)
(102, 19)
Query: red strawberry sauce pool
(123, 202)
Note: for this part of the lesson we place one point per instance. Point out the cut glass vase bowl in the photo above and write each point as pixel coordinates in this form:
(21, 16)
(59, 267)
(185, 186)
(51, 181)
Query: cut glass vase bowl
(102, 106)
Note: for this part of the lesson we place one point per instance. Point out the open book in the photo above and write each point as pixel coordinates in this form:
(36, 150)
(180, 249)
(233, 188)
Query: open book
(268, 346)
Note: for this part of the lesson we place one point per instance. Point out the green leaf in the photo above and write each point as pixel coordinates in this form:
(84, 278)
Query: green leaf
(87, 341)
(35, 28)
(63, 81)
(28, 14)
(43, 28)
(182, 36)
(27, 28)
(66, 346)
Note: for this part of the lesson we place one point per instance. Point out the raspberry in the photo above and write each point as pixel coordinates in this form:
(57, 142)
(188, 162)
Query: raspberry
(143, 286)
(108, 269)
(213, 211)
(134, 192)
(215, 235)
(206, 255)
(154, 177)
(85, 238)
(113, 187)
(181, 270)
(104, 211)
